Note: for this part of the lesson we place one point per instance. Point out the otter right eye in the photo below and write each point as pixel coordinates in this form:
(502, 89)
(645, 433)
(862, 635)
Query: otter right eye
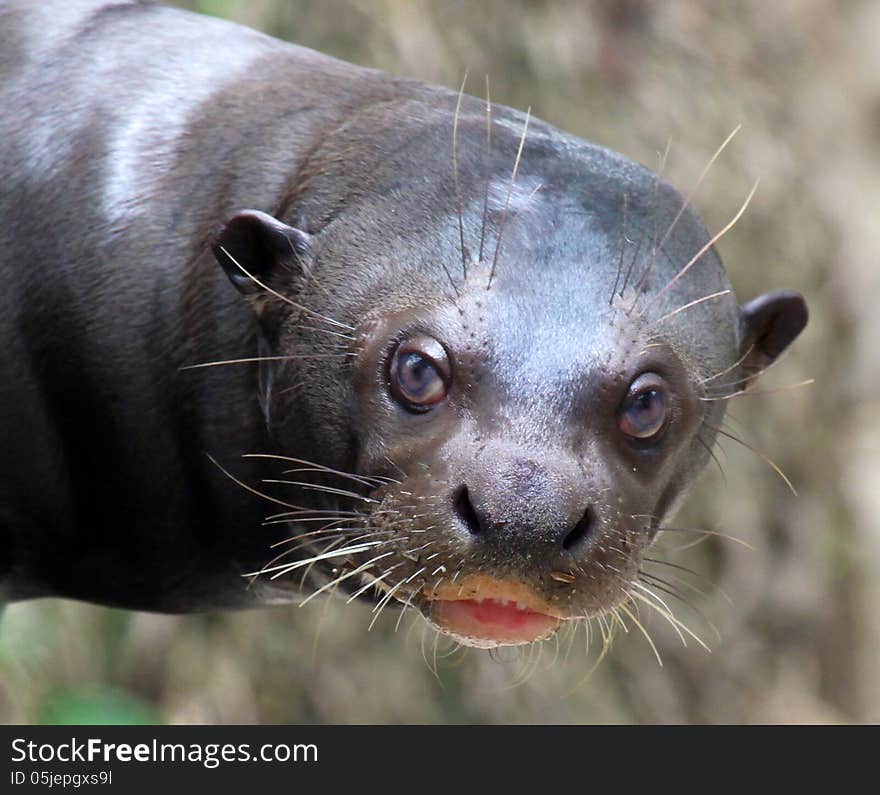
(419, 374)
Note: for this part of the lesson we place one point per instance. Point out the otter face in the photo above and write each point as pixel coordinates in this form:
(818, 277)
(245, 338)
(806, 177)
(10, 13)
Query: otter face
(521, 438)
(534, 460)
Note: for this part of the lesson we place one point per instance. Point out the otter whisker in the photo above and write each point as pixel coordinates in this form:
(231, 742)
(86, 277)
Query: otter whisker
(488, 170)
(319, 626)
(644, 235)
(667, 613)
(322, 488)
(406, 604)
(304, 309)
(676, 581)
(371, 483)
(708, 448)
(455, 177)
(703, 249)
(769, 391)
(571, 627)
(752, 376)
(676, 584)
(763, 456)
(251, 489)
(331, 545)
(384, 601)
(372, 583)
(306, 540)
(339, 334)
(699, 530)
(367, 480)
(689, 198)
(355, 478)
(270, 522)
(307, 570)
(300, 563)
(251, 359)
(330, 524)
(303, 514)
(711, 297)
(532, 662)
(644, 632)
(623, 239)
(501, 223)
(685, 569)
(733, 366)
(342, 577)
(673, 592)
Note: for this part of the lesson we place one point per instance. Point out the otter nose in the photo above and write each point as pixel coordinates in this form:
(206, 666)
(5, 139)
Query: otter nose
(520, 525)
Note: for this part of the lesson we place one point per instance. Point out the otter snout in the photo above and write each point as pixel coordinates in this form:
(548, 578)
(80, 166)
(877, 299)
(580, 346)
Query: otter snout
(514, 505)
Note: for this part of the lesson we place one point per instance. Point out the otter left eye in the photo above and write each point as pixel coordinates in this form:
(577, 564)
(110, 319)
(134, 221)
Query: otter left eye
(644, 412)
(419, 374)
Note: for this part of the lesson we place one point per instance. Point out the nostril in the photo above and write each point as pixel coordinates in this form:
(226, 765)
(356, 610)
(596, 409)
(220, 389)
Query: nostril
(465, 511)
(581, 530)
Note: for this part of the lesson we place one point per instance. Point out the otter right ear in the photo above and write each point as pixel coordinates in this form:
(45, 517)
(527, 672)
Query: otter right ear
(252, 245)
(769, 323)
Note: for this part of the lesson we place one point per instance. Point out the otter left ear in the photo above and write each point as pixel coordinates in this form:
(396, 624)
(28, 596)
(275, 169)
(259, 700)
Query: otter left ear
(769, 324)
(251, 245)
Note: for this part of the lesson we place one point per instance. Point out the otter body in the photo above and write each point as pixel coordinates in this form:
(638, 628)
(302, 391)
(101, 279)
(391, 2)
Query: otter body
(446, 350)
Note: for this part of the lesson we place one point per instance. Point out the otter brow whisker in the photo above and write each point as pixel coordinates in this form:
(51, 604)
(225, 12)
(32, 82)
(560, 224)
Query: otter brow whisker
(644, 235)
(623, 239)
(711, 297)
(487, 169)
(689, 198)
(703, 249)
(733, 366)
(510, 186)
(455, 177)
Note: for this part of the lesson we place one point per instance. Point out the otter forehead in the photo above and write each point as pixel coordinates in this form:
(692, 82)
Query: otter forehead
(559, 210)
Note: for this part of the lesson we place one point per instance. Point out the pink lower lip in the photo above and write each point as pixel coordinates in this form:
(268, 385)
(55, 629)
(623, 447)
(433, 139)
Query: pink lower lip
(491, 621)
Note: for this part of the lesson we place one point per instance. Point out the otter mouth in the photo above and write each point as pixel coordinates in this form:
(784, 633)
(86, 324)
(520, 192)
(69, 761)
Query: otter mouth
(486, 613)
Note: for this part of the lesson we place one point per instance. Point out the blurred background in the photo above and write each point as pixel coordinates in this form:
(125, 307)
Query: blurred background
(797, 619)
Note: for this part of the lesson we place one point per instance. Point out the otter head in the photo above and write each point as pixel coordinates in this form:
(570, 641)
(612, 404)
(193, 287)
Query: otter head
(519, 377)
